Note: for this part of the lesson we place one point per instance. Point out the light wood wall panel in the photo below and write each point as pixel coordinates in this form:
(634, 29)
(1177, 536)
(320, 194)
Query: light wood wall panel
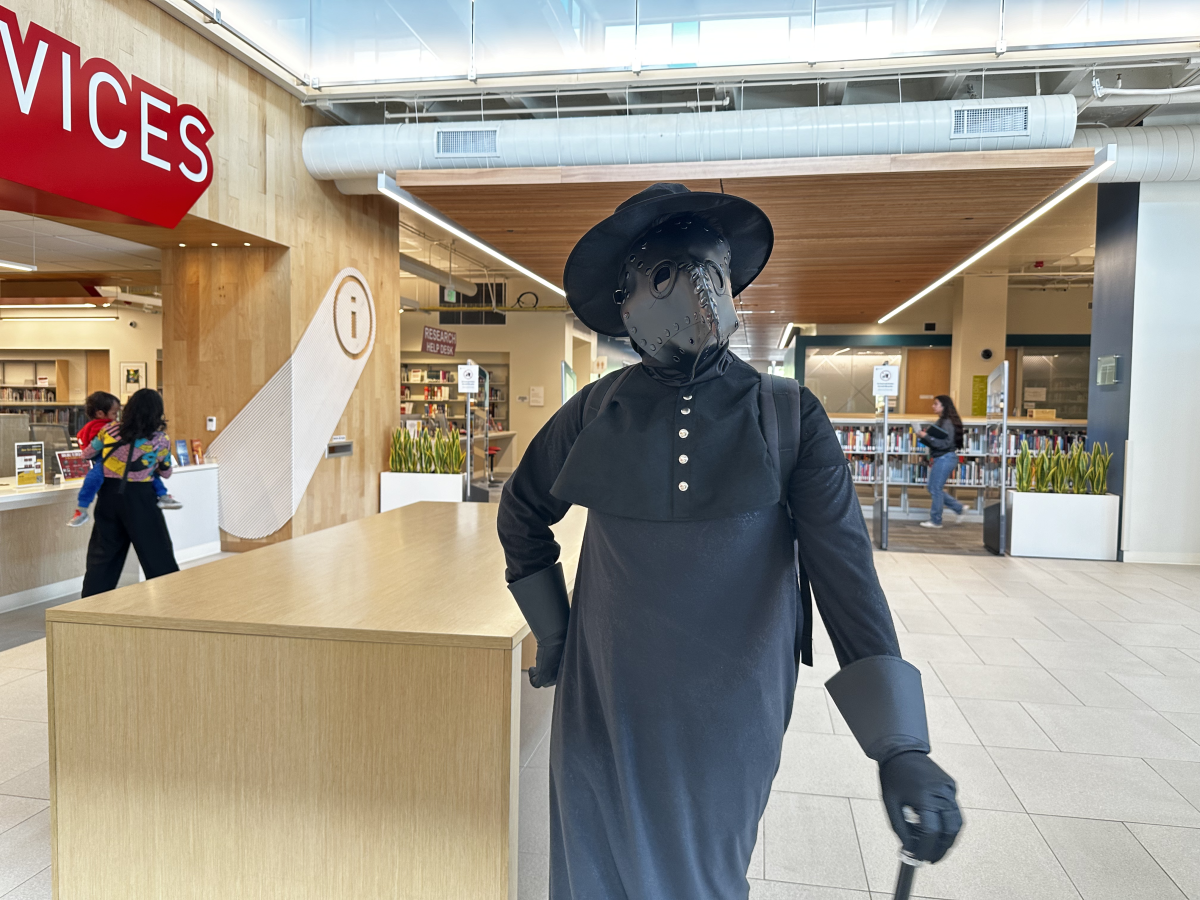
(99, 373)
(232, 314)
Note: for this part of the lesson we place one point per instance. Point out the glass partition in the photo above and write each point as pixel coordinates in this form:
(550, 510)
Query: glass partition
(409, 40)
(390, 40)
(1040, 23)
(1055, 379)
(281, 27)
(516, 36)
(842, 379)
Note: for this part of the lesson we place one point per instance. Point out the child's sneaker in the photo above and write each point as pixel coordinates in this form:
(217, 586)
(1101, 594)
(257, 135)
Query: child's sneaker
(166, 501)
(81, 516)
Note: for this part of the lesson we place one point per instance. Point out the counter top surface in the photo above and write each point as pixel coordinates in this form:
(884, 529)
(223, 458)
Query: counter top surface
(430, 573)
(13, 497)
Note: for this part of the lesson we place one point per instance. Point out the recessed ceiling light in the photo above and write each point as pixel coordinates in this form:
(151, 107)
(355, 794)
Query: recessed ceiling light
(245, 243)
(214, 243)
(772, 312)
(183, 245)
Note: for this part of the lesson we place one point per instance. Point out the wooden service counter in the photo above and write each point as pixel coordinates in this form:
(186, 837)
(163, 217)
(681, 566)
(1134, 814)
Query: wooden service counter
(334, 716)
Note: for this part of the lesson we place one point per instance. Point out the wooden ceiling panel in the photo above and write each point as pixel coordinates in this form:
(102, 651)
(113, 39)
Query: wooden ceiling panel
(848, 247)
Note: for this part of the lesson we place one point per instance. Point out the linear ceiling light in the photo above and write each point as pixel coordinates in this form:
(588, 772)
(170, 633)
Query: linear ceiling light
(59, 318)
(388, 187)
(4, 305)
(1105, 158)
(16, 266)
(785, 336)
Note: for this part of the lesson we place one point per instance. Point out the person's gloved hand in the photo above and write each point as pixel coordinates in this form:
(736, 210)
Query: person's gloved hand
(544, 671)
(919, 798)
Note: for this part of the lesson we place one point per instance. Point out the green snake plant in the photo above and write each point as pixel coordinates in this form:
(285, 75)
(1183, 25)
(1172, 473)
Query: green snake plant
(1098, 468)
(430, 452)
(1023, 467)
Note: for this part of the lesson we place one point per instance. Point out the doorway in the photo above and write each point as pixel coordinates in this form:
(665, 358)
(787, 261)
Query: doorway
(927, 375)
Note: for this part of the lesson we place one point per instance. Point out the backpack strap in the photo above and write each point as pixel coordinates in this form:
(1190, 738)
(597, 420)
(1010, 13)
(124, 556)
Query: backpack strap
(598, 400)
(779, 408)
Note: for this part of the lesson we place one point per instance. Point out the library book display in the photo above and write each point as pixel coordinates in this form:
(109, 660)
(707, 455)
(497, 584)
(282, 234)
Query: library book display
(907, 460)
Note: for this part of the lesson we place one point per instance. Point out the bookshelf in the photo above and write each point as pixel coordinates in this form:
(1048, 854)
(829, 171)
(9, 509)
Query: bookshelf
(429, 386)
(908, 460)
(34, 387)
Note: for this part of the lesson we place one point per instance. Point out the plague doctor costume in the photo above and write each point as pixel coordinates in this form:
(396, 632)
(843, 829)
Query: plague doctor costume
(715, 497)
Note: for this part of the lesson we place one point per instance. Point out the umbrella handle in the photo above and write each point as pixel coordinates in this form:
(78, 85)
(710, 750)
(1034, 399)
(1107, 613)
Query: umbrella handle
(904, 878)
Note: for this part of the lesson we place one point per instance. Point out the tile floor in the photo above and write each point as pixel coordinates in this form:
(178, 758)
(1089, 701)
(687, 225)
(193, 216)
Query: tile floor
(1063, 696)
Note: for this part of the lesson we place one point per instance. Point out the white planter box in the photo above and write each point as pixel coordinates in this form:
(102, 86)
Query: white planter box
(398, 489)
(1063, 526)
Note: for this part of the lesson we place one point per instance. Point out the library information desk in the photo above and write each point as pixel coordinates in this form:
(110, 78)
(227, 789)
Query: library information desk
(335, 716)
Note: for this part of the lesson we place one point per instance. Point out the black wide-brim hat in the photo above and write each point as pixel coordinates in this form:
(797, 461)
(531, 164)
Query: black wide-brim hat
(590, 276)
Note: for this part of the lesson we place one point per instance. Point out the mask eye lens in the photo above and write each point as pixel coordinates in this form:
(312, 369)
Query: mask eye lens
(661, 276)
(718, 279)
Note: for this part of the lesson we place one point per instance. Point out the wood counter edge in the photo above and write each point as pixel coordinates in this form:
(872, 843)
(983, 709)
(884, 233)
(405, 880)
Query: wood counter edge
(362, 635)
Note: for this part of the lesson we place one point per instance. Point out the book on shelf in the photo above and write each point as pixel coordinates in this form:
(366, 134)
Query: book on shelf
(181, 451)
(28, 394)
(197, 452)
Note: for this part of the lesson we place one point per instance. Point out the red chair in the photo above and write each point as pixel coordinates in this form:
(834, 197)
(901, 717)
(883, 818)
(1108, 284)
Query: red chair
(492, 453)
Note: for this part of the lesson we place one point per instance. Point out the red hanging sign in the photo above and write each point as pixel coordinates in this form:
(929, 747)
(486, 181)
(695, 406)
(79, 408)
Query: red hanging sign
(435, 340)
(83, 131)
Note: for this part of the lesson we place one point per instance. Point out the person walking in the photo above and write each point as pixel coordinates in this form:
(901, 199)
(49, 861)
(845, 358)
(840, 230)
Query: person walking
(944, 440)
(132, 453)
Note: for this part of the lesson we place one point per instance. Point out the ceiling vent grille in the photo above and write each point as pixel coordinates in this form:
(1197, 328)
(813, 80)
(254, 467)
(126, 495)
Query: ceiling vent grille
(990, 121)
(462, 142)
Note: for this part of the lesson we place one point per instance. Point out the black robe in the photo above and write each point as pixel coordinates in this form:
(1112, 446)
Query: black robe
(679, 668)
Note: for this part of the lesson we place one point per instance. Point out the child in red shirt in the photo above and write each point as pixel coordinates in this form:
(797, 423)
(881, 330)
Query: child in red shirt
(102, 409)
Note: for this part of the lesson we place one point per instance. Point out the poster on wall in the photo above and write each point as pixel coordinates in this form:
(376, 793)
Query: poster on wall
(133, 378)
(31, 463)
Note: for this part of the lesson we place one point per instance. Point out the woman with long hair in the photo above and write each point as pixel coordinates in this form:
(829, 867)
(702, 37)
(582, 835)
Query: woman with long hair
(944, 440)
(131, 453)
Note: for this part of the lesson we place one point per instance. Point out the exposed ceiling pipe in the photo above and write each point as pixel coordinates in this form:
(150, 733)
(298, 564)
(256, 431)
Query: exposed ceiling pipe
(525, 110)
(437, 276)
(1015, 123)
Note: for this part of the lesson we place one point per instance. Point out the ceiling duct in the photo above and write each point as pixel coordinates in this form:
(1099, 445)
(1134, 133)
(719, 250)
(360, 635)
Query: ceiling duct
(1150, 153)
(348, 152)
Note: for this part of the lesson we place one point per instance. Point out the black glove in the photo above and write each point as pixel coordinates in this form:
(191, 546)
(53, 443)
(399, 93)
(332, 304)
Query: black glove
(542, 598)
(544, 672)
(919, 798)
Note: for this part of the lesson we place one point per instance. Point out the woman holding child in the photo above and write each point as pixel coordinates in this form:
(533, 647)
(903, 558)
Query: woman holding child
(132, 453)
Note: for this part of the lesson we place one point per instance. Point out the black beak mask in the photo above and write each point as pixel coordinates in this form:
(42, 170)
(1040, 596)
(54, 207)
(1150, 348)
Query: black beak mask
(674, 292)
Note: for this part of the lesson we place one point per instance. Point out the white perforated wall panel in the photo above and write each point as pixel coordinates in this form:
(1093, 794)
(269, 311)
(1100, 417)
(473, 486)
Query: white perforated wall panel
(295, 412)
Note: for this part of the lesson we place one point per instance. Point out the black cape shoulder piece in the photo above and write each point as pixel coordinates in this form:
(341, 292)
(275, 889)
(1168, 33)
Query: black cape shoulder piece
(633, 458)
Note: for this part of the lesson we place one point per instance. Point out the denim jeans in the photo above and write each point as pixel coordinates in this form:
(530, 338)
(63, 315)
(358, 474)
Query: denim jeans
(940, 469)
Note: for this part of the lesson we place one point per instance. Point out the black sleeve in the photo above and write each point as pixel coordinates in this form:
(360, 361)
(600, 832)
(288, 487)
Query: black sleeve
(941, 445)
(835, 547)
(527, 508)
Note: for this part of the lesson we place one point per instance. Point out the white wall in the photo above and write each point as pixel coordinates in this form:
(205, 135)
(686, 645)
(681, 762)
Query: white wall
(1162, 480)
(1050, 311)
(124, 344)
(979, 324)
